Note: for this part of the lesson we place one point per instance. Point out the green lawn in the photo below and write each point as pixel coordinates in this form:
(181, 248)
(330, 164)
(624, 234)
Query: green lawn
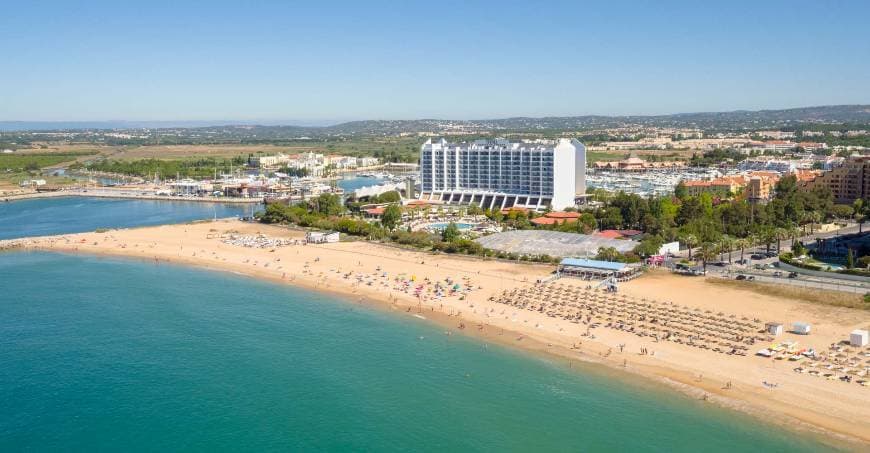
(20, 162)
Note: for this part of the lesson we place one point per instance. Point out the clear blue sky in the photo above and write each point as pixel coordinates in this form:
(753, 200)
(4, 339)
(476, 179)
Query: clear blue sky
(326, 61)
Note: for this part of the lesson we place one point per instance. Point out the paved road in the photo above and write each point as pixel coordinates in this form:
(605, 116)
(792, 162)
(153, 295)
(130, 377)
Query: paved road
(786, 244)
(768, 275)
(804, 281)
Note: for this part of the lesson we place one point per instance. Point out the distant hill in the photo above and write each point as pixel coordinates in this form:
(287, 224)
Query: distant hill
(740, 119)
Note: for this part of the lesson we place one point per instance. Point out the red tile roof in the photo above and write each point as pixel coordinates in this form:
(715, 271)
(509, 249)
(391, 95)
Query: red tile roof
(610, 234)
(544, 221)
(562, 215)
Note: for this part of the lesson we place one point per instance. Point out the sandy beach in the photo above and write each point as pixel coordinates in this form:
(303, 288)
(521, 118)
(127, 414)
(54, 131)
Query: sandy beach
(468, 295)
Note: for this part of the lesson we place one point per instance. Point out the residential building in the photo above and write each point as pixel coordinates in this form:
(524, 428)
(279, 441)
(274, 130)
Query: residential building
(772, 146)
(848, 182)
(755, 186)
(779, 135)
(812, 146)
(637, 164)
(499, 174)
(759, 188)
(366, 161)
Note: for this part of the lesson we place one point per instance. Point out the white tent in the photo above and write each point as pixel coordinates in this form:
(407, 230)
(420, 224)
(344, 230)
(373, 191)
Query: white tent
(801, 328)
(859, 337)
(773, 328)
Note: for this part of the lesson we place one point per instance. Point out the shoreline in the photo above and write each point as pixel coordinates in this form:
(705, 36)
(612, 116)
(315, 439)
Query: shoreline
(107, 193)
(681, 379)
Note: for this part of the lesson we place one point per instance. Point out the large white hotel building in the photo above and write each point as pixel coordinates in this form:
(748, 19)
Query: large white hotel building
(500, 174)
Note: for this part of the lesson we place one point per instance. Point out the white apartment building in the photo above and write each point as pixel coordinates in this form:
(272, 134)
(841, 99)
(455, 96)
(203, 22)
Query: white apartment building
(501, 174)
(270, 161)
(366, 161)
(779, 135)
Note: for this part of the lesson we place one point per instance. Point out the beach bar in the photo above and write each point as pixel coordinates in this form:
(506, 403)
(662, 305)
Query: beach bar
(596, 270)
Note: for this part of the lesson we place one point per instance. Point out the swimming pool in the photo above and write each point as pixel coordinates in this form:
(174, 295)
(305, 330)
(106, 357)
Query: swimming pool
(443, 225)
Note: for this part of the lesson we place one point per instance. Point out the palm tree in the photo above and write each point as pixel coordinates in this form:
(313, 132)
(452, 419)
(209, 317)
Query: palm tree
(707, 252)
(726, 245)
(793, 231)
(742, 244)
(754, 239)
(767, 236)
(813, 217)
(690, 240)
(860, 212)
(780, 234)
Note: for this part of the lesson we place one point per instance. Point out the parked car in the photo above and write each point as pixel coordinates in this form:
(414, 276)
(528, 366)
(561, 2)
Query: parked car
(792, 275)
(743, 261)
(777, 274)
(740, 277)
(771, 254)
(757, 256)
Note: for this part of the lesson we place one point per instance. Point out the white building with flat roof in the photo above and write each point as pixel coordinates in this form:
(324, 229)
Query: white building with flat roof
(500, 174)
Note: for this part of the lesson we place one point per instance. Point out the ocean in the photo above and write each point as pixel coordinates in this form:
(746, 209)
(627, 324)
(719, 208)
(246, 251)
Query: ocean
(114, 354)
(45, 216)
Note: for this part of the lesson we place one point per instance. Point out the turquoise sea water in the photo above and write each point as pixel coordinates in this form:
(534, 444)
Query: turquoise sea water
(79, 214)
(152, 357)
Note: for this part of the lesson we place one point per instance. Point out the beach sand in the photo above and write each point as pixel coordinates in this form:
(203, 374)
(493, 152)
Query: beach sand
(837, 409)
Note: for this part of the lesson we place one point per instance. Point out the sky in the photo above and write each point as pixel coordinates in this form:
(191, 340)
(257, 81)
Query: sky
(325, 61)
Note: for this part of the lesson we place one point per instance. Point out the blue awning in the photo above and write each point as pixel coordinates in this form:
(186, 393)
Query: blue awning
(593, 264)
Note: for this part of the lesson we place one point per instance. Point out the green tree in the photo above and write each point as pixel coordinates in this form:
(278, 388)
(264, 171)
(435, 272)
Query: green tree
(842, 211)
(391, 217)
(742, 244)
(450, 233)
(328, 204)
(608, 254)
(610, 217)
(680, 190)
(780, 234)
(690, 240)
(649, 246)
(707, 252)
(586, 223)
(798, 249)
(474, 209)
(726, 245)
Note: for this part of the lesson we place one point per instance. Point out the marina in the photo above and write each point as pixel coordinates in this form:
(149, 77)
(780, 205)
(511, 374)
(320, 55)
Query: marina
(646, 183)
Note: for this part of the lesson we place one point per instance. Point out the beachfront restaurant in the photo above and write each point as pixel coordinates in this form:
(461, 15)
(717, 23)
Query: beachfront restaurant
(597, 270)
